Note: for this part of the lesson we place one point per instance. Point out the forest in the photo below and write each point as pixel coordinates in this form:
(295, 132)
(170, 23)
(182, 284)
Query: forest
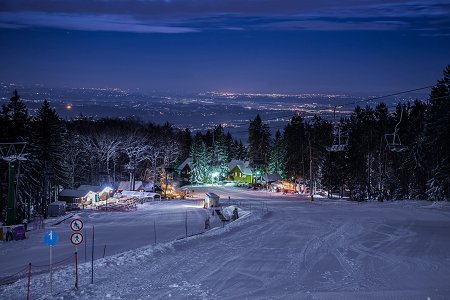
(373, 154)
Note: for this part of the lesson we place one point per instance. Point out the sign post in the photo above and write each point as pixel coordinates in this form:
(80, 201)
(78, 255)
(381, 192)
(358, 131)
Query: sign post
(50, 239)
(76, 238)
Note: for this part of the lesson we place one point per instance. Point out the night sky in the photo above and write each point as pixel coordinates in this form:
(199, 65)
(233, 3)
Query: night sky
(286, 46)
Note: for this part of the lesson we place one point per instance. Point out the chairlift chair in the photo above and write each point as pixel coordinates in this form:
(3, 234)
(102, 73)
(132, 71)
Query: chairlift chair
(340, 143)
(393, 142)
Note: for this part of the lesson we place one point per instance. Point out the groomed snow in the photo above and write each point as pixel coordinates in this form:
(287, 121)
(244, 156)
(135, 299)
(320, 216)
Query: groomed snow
(282, 247)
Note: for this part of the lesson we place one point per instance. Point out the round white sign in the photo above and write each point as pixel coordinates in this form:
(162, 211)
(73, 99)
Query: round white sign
(76, 238)
(76, 225)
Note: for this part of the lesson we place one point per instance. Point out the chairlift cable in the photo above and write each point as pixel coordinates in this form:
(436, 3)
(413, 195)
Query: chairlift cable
(349, 103)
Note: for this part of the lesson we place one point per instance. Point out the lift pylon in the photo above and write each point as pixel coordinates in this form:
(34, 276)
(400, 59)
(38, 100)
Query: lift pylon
(11, 153)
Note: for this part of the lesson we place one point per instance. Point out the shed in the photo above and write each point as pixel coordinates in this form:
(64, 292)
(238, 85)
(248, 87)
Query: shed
(185, 169)
(212, 200)
(269, 178)
(57, 209)
(72, 196)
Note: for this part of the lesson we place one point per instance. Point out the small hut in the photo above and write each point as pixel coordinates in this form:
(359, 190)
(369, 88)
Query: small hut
(57, 209)
(212, 200)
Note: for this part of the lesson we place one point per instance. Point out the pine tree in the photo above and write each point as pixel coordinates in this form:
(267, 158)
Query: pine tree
(200, 159)
(318, 131)
(259, 144)
(185, 145)
(360, 125)
(220, 156)
(437, 139)
(295, 140)
(15, 120)
(277, 157)
(240, 151)
(49, 163)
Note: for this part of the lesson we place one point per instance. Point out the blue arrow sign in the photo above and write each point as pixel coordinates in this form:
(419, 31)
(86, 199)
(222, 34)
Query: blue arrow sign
(51, 238)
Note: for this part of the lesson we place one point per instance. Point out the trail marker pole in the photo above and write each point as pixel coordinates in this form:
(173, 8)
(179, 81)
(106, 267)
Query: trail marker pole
(51, 238)
(76, 269)
(185, 224)
(154, 229)
(51, 275)
(85, 245)
(29, 278)
(92, 261)
(77, 238)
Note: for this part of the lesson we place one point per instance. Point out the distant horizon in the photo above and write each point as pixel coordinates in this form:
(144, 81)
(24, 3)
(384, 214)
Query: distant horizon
(161, 92)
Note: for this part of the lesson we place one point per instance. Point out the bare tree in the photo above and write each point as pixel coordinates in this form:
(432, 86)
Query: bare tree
(136, 149)
(107, 146)
(75, 155)
(155, 156)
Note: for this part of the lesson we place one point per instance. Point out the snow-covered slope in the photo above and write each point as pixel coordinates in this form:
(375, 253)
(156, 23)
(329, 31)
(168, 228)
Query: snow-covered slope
(287, 248)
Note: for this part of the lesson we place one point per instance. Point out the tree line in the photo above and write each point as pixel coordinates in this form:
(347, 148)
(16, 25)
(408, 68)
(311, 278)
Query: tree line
(381, 155)
(65, 154)
(372, 154)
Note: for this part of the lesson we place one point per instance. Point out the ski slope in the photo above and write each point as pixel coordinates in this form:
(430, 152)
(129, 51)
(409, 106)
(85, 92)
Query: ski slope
(283, 247)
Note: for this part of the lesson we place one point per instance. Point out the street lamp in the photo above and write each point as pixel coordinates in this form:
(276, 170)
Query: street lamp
(214, 174)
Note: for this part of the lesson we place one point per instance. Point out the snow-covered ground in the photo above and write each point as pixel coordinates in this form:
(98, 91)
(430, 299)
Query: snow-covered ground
(282, 247)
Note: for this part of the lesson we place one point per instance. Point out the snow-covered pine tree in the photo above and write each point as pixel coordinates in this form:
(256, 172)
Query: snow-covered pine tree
(200, 159)
(277, 157)
(437, 139)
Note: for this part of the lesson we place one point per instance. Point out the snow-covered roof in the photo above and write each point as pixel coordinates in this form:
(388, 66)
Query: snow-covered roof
(92, 188)
(271, 177)
(138, 185)
(58, 203)
(73, 193)
(140, 194)
(124, 185)
(187, 161)
(242, 165)
(212, 195)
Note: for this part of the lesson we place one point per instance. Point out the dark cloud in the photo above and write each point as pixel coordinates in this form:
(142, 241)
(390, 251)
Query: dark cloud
(178, 16)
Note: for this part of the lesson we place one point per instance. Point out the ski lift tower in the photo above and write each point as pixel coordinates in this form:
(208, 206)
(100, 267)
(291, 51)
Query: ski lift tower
(12, 152)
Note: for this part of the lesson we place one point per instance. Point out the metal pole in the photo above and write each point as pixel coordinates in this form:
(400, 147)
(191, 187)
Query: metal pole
(85, 244)
(76, 268)
(29, 277)
(11, 211)
(154, 229)
(185, 223)
(92, 259)
(51, 275)
(310, 171)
